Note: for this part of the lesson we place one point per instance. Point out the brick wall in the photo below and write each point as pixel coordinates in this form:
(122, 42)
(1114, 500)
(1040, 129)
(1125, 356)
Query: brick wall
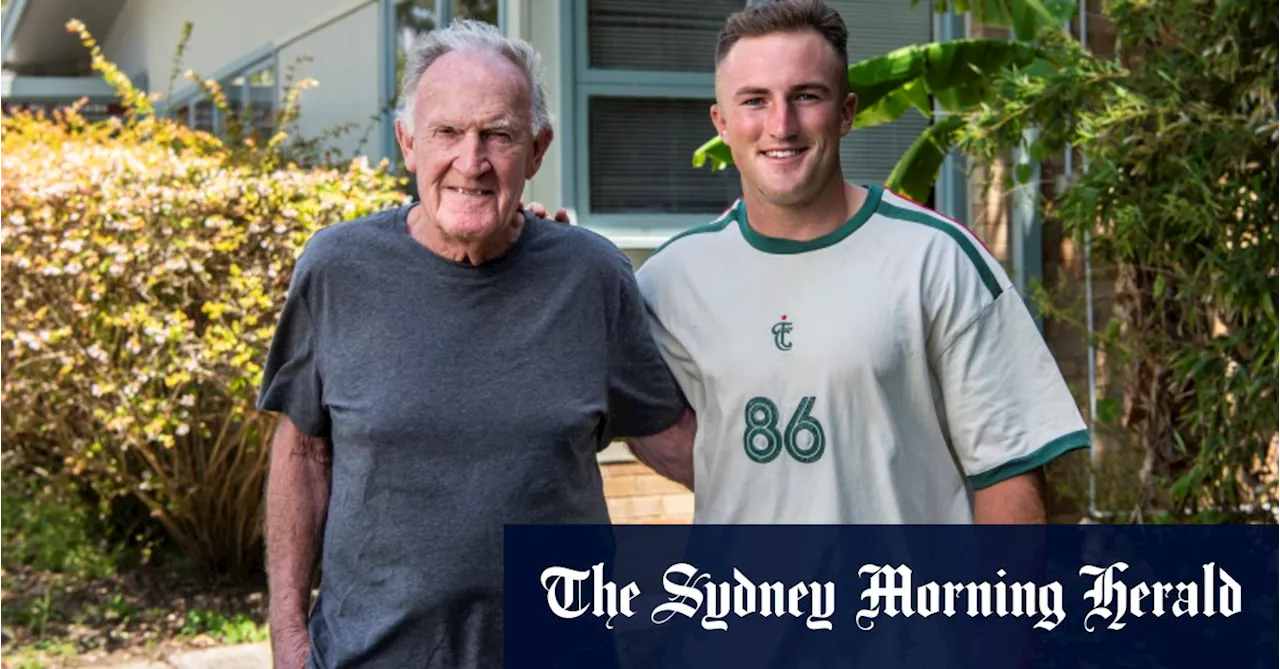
(637, 494)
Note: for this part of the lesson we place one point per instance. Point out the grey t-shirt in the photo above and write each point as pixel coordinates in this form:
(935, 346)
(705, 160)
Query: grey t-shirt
(458, 398)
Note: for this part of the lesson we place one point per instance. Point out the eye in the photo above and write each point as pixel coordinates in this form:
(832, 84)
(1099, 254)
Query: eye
(445, 131)
(753, 102)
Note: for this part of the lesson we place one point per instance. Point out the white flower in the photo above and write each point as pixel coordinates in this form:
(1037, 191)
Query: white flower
(30, 340)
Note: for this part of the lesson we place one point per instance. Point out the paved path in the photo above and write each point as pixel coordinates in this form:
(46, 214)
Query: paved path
(247, 656)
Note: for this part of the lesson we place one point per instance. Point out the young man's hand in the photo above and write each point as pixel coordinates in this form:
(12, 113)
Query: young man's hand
(540, 211)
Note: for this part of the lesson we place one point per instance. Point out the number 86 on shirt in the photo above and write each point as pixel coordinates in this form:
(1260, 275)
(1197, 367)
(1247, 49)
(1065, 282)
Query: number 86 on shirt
(765, 436)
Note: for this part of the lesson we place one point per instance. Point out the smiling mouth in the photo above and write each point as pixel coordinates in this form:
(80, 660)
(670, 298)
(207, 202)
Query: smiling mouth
(470, 191)
(783, 154)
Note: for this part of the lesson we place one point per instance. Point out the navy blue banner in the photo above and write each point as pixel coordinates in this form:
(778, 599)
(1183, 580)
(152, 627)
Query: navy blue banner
(891, 596)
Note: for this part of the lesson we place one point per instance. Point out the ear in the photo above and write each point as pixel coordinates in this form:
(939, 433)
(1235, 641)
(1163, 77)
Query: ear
(718, 120)
(405, 139)
(541, 142)
(848, 111)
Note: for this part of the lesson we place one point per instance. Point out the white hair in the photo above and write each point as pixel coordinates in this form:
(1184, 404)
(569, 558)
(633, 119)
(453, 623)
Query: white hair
(471, 35)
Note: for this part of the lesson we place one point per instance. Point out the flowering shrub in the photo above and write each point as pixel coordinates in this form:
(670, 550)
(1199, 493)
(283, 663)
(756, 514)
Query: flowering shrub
(143, 265)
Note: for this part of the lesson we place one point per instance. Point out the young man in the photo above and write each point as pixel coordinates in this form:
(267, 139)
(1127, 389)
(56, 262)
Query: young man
(852, 357)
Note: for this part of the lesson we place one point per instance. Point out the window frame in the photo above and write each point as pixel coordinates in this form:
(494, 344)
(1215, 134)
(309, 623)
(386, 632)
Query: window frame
(265, 57)
(579, 83)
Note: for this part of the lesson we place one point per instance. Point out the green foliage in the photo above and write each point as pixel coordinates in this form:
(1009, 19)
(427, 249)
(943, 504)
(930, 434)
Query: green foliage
(237, 629)
(144, 264)
(48, 526)
(956, 74)
(1179, 198)
(1025, 18)
(914, 174)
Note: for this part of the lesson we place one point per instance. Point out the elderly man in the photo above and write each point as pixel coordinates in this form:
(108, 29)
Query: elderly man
(443, 369)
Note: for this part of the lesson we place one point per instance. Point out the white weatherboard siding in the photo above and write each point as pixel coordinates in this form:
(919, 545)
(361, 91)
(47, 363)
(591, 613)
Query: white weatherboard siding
(147, 32)
(342, 37)
(344, 60)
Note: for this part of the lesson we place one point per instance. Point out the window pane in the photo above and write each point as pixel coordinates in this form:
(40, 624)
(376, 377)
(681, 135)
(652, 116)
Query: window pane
(251, 100)
(639, 154)
(262, 101)
(414, 18)
(672, 35)
(203, 116)
(481, 10)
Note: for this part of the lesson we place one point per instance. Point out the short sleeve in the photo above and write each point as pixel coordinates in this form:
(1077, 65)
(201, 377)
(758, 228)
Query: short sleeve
(643, 396)
(291, 383)
(651, 279)
(1008, 408)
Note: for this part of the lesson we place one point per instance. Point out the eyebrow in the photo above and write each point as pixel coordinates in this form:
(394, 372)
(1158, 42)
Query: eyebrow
(806, 86)
(497, 124)
(503, 124)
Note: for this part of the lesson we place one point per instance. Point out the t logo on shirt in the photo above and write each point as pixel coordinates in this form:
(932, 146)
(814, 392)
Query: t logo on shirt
(780, 331)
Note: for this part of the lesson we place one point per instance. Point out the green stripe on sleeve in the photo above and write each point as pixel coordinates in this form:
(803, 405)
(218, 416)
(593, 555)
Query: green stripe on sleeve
(1042, 456)
(729, 216)
(966, 244)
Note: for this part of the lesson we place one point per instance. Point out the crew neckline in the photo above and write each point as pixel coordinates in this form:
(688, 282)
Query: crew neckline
(777, 245)
(509, 256)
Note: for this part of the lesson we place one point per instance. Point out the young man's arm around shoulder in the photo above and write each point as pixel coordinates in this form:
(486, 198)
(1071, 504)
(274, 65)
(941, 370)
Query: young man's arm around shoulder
(670, 452)
(297, 503)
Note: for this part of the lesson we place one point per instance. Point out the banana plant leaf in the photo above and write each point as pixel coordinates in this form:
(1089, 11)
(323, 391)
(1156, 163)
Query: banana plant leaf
(915, 172)
(957, 74)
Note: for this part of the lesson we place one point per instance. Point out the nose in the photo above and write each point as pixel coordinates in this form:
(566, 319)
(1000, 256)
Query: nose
(782, 122)
(472, 159)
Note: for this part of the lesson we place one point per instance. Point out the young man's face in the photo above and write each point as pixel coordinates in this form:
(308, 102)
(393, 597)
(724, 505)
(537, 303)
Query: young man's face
(781, 108)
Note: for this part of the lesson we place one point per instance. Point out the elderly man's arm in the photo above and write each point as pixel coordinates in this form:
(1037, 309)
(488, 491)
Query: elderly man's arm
(1018, 500)
(670, 452)
(297, 504)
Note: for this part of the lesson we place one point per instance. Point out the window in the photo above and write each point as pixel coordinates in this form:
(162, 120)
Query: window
(642, 85)
(252, 97)
(256, 95)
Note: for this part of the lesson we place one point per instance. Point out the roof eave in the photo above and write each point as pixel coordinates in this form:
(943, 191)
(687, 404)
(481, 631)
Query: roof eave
(9, 26)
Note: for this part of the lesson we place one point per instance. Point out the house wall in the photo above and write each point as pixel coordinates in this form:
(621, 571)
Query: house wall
(343, 58)
(341, 36)
(538, 22)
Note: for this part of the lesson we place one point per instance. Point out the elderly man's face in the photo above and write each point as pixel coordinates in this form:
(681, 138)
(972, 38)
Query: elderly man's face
(472, 146)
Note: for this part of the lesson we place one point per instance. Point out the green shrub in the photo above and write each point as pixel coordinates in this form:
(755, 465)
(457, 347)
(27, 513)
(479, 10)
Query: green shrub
(144, 265)
(48, 526)
(1178, 202)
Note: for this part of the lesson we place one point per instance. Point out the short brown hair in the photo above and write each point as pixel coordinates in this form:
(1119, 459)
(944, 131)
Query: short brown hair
(776, 16)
